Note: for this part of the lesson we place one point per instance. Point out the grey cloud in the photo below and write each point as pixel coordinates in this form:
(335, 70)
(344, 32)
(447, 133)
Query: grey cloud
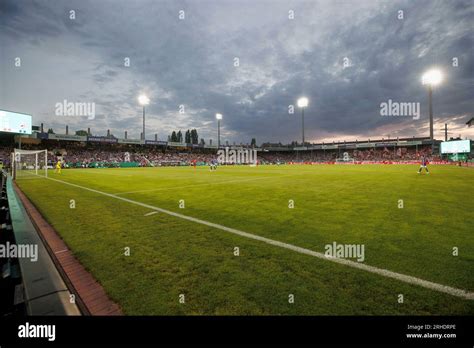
(190, 62)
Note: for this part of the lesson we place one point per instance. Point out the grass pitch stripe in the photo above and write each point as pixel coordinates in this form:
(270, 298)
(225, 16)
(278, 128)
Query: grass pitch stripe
(203, 184)
(380, 271)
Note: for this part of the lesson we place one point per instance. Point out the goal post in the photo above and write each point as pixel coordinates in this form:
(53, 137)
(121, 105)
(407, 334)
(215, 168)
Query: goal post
(29, 163)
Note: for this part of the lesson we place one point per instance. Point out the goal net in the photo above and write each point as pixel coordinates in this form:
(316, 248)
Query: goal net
(29, 163)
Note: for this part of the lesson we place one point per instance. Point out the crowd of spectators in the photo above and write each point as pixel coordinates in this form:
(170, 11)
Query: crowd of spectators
(373, 154)
(87, 155)
(5, 155)
(141, 157)
(113, 155)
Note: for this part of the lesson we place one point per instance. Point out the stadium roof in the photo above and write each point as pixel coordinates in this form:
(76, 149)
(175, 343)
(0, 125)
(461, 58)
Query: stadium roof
(376, 140)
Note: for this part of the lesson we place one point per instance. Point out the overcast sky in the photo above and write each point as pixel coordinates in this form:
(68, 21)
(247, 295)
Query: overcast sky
(191, 62)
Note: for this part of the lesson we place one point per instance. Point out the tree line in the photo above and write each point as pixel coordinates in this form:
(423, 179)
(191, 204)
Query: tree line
(190, 137)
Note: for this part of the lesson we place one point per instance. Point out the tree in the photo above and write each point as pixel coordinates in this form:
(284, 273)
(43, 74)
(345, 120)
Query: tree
(203, 142)
(253, 143)
(81, 132)
(187, 137)
(194, 136)
(180, 137)
(50, 131)
(174, 137)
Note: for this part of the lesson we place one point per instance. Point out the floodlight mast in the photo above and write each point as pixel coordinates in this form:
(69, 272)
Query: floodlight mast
(218, 118)
(143, 100)
(302, 103)
(431, 78)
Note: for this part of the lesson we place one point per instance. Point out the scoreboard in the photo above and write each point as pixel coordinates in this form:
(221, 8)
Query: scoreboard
(14, 122)
(456, 146)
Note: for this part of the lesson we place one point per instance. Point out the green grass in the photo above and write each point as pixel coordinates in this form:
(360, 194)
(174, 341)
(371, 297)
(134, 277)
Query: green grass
(347, 204)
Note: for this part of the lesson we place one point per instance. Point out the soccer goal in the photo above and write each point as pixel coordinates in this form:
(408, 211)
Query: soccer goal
(29, 163)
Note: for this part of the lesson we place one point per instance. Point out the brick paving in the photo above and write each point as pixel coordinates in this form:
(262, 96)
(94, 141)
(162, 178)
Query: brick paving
(91, 294)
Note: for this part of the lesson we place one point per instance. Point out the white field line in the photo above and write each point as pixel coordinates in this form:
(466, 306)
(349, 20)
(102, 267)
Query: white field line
(151, 213)
(34, 177)
(203, 184)
(380, 271)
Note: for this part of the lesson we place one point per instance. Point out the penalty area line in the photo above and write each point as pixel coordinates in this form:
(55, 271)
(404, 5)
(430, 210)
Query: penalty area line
(372, 269)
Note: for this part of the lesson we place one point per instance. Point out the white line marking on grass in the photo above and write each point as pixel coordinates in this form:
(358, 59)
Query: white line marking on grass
(151, 213)
(33, 176)
(380, 271)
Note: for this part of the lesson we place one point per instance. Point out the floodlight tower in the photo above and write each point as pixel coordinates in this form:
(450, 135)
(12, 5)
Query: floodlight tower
(302, 103)
(218, 118)
(143, 100)
(431, 78)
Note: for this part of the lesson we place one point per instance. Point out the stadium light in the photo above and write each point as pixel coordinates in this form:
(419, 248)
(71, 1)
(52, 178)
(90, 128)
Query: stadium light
(143, 100)
(302, 103)
(218, 118)
(431, 78)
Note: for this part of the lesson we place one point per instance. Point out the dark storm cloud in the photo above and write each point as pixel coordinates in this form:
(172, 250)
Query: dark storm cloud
(191, 62)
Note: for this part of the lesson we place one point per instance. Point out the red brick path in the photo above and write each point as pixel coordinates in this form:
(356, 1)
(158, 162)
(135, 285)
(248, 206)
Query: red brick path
(91, 294)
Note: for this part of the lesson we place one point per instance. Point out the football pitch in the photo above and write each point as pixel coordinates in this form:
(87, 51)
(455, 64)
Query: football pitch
(235, 241)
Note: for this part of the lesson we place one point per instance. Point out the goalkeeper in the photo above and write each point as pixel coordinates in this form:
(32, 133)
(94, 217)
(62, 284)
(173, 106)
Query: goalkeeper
(58, 167)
